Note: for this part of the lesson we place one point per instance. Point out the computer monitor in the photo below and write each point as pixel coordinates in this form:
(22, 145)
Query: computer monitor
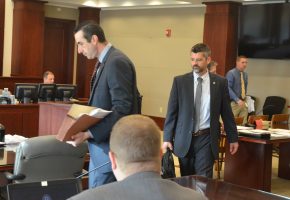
(63, 92)
(46, 92)
(26, 92)
(52, 189)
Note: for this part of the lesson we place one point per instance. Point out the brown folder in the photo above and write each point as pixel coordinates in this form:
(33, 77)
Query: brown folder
(79, 119)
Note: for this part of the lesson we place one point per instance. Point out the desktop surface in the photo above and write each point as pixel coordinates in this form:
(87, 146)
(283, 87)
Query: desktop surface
(220, 190)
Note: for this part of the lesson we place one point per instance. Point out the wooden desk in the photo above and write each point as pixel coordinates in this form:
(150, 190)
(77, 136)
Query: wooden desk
(6, 159)
(219, 190)
(251, 166)
(20, 119)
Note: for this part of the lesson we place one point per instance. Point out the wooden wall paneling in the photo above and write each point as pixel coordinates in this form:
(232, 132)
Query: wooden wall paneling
(221, 33)
(12, 120)
(85, 67)
(59, 49)
(30, 117)
(9, 82)
(27, 38)
(159, 121)
(20, 119)
(2, 20)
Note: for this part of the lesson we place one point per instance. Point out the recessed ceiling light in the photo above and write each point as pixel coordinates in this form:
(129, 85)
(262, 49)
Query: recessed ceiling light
(128, 3)
(90, 4)
(155, 3)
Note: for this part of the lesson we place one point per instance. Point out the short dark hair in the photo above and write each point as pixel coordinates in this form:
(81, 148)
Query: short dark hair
(211, 64)
(46, 73)
(91, 28)
(240, 57)
(201, 48)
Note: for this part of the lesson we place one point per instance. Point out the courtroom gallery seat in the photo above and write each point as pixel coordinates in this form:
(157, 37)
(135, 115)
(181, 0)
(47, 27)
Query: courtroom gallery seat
(252, 118)
(45, 158)
(280, 121)
(222, 148)
(239, 121)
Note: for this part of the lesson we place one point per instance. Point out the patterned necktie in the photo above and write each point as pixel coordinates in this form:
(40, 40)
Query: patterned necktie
(94, 75)
(243, 91)
(197, 104)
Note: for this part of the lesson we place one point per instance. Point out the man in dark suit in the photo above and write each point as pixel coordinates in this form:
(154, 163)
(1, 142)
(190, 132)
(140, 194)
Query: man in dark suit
(135, 156)
(192, 127)
(113, 87)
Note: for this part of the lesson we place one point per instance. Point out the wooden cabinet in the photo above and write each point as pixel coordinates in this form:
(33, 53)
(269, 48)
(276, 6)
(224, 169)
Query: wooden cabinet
(21, 119)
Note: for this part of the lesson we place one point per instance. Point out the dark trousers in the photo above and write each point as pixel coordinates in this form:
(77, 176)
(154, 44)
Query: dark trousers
(199, 159)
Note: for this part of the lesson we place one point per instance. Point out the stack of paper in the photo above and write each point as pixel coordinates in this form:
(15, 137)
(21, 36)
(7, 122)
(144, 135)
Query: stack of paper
(79, 119)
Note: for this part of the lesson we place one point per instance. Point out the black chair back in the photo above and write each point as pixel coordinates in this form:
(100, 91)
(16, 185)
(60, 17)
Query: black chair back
(273, 105)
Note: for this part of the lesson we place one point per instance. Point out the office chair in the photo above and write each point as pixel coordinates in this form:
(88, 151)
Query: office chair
(280, 121)
(273, 105)
(253, 118)
(221, 155)
(239, 121)
(45, 158)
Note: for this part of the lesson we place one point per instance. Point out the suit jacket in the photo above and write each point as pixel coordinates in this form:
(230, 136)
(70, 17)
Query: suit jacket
(141, 186)
(179, 121)
(114, 89)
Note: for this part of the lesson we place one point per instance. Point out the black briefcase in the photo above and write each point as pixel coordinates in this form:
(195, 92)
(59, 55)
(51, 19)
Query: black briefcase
(168, 169)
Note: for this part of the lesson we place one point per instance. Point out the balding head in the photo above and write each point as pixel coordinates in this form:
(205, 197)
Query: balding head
(136, 140)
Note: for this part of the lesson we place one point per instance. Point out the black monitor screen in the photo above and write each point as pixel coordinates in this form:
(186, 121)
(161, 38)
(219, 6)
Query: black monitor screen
(264, 31)
(55, 190)
(64, 92)
(46, 92)
(26, 92)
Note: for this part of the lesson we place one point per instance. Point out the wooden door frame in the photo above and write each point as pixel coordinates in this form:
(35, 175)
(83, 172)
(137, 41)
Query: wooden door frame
(69, 55)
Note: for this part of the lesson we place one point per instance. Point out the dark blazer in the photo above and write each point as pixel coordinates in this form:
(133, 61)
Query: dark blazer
(141, 186)
(114, 89)
(179, 121)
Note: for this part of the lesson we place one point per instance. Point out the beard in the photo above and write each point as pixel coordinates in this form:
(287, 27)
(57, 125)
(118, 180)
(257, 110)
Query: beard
(196, 69)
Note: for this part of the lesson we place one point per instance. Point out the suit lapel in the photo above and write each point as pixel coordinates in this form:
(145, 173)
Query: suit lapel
(101, 69)
(213, 90)
(189, 83)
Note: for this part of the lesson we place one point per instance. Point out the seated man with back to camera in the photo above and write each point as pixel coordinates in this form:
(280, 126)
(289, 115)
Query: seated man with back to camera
(135, 154)
(48, 77)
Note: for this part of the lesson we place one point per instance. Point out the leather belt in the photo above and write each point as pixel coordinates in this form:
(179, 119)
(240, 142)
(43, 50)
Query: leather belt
(201, 132)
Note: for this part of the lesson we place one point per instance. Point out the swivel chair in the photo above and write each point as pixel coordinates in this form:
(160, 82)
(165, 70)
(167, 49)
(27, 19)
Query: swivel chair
(45, 158)
(273, 105)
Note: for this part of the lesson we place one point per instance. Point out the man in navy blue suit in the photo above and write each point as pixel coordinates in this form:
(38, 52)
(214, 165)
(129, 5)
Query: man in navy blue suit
(113, 87)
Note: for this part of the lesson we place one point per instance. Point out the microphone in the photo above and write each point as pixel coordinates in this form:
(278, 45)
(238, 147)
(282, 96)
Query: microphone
(97, 167)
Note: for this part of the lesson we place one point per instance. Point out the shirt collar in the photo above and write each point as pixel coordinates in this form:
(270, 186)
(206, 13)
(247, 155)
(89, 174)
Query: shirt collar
(204, 77)
(104, 52)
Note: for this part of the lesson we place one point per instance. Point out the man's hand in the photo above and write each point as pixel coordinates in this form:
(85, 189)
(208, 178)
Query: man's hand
(165, 145)
(241, 103)
(234, 147)
(80, 137)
